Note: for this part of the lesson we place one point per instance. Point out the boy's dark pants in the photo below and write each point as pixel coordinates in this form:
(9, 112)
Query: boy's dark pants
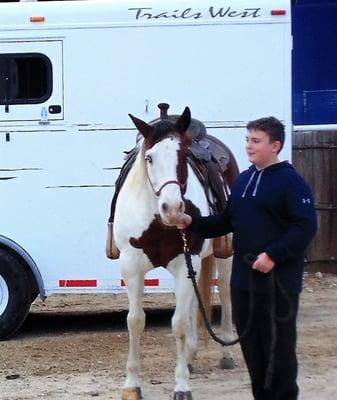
(255, 347)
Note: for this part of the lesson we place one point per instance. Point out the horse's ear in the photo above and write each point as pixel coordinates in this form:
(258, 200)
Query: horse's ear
(142, 126)
(183, 121)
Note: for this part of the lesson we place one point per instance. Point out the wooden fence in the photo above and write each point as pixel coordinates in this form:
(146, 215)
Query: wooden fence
(315, 158)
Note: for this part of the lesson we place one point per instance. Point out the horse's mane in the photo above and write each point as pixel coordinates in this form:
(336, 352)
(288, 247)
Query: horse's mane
(137, 178)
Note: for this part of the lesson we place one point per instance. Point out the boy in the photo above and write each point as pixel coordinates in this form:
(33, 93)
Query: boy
(271, 214)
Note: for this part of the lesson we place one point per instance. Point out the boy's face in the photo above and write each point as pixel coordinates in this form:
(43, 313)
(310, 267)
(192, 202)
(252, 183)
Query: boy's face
(260, 149)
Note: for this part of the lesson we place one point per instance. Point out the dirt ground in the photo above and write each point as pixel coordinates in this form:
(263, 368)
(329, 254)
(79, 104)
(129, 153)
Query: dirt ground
(75, 347)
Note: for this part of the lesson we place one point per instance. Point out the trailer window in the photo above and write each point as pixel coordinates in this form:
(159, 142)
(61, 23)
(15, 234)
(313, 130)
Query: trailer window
(25, 78)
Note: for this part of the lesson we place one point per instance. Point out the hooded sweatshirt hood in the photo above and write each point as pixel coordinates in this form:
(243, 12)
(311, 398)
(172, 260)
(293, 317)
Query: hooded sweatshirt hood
(257, 174)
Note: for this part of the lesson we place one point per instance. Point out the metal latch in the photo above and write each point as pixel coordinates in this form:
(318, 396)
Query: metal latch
(44, 117)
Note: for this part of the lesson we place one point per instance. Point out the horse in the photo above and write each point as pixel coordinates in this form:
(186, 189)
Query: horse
(158, 189)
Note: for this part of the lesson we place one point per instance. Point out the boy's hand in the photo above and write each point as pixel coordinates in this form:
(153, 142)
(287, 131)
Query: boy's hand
(185, 221)
(263, 263)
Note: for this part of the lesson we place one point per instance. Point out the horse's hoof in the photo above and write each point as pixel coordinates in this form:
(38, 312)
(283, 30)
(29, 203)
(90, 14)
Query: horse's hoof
(183, 396)
(132, 393)
(190, 368)
(227, 363)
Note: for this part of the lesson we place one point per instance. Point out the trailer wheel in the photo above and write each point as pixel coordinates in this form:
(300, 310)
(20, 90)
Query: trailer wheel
(15, 296)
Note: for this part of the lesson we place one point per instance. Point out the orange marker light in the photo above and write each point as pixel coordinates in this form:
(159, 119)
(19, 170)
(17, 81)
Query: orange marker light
(37, 19)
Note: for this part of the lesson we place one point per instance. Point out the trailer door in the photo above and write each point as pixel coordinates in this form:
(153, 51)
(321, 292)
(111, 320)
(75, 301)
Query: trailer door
(31, 81)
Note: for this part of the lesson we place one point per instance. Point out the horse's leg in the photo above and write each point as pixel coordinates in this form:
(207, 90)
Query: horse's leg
(205, 290)
(182, 328)
(196, 322)
(192, 337)
(133, 275)
(224, 271)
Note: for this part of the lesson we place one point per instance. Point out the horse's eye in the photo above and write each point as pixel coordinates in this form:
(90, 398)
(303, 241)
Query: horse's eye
(148, 159)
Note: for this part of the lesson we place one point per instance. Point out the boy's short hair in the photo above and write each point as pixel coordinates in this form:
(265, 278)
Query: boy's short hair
(271, 126)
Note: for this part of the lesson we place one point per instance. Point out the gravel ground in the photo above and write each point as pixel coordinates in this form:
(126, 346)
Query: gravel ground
(75, 347)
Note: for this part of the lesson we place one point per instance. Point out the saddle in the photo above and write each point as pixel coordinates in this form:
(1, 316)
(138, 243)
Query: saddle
(208, 158)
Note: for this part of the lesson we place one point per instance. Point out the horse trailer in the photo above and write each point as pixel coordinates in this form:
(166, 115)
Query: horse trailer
(70, 72)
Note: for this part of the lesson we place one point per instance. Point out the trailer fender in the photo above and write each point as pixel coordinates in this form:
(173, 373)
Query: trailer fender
(26, 259)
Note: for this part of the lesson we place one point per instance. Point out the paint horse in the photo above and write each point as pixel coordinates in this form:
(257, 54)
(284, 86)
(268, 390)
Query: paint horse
(158, 189)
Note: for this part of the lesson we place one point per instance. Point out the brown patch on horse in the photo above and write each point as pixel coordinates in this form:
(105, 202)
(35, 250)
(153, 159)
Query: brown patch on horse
(162, 243)
(182, 171)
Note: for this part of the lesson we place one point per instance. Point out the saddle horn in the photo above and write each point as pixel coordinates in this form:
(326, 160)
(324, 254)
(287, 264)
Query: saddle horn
(163, 107)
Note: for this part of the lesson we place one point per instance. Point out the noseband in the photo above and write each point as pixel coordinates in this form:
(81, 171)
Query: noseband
(181, 185)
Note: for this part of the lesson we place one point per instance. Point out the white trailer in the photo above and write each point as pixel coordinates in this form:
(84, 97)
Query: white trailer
(70, 72)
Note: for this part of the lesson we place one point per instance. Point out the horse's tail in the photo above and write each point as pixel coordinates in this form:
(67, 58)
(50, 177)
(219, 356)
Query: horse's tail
(205, 288)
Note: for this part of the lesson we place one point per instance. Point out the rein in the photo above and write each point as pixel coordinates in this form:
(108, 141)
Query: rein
(272, 282)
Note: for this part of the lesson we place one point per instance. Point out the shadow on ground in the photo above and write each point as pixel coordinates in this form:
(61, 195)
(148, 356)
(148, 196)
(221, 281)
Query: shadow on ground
(39, 323)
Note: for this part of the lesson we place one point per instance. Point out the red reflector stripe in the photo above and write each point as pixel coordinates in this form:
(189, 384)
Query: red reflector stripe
(78, 283)
(151, 282)
(147, 282)
(278, 12)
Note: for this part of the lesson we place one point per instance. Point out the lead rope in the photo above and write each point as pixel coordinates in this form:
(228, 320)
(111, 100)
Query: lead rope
(191, 275)
(272, 315)
(249, 259)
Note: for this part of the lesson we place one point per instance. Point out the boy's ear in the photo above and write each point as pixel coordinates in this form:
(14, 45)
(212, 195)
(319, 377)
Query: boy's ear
(277, 146)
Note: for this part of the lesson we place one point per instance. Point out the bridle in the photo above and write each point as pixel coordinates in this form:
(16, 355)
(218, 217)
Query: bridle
(170, 182)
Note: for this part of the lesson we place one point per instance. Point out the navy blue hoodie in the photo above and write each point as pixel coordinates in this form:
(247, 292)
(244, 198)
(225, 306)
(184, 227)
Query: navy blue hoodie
(269, 210)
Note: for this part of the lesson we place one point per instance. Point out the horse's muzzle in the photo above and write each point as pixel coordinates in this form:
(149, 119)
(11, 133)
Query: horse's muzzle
(171, 215)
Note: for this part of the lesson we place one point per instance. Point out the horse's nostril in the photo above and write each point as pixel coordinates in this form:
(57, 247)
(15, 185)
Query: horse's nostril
(181, 207)
(165, 207)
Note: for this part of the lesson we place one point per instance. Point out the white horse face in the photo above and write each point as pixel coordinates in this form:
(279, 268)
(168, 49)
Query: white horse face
(164, 163)
(165, 144)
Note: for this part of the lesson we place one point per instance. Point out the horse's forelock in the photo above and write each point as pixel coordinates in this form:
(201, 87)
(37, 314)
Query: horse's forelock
(161, 130)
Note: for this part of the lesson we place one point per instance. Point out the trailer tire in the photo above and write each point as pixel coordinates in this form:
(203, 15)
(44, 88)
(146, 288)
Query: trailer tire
(15, 295)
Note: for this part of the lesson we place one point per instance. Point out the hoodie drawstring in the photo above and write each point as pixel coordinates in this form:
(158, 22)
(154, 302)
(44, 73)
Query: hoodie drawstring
(250, 181)
(247, 186)
(258, 182)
